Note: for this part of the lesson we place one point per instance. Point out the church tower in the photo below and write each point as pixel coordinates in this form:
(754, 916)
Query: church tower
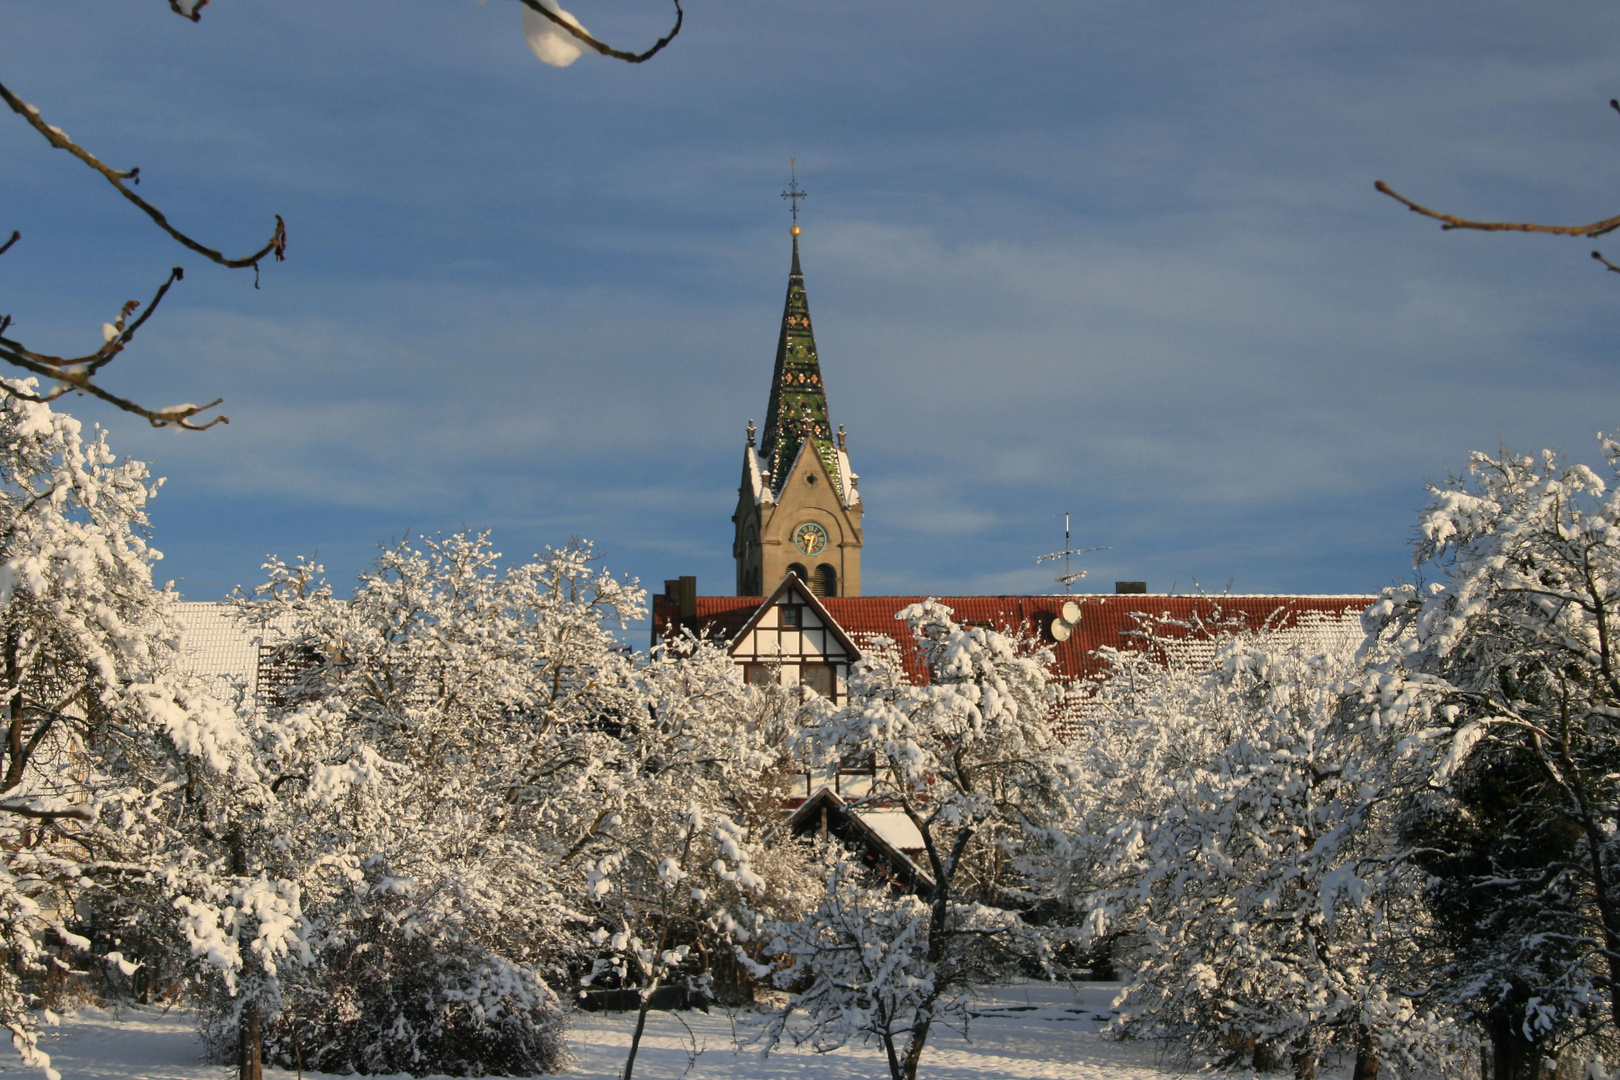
(797, 506)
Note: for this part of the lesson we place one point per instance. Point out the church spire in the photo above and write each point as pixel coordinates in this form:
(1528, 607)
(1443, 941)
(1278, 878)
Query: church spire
(798, 510)
(797, 414)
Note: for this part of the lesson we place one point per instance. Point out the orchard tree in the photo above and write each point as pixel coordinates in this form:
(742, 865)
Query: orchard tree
(484, 800)
(1516, 646)
(116, 770)
(677, 880)
(1242, 849)
(1149, 725)
(971, 760)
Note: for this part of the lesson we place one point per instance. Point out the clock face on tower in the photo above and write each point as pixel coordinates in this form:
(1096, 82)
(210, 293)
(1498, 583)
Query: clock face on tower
(810, 538)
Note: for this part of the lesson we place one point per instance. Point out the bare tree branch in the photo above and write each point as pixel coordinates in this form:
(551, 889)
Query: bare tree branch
(77, 813)
(175, 415)
(1448, 221)
(74, 373)
(276, 246)
(195, 14)
(602, 47)
(1596, 228)
(179, 7)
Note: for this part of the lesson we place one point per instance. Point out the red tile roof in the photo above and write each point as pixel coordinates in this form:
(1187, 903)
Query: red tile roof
(1106, 621)
(717, 616)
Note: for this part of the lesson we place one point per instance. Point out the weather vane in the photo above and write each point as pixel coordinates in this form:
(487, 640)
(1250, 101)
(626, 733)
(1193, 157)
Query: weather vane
(1068, 577)
(793, 194)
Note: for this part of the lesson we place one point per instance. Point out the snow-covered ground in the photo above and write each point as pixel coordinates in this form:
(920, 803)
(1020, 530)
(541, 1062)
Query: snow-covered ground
(1023, 1031)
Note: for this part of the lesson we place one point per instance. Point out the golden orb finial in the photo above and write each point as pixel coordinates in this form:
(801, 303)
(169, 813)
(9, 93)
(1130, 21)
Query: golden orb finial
(794, 230)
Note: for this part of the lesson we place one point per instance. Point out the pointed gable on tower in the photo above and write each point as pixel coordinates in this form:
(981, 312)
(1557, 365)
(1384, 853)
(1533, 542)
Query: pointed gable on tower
(798, 508)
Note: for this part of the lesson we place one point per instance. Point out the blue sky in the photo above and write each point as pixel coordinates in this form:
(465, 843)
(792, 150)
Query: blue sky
(1119, 259)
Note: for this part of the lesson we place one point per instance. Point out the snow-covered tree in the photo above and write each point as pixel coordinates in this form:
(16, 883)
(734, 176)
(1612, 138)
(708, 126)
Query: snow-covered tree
(971, 760)
(483, 797)
(1270, 908)
(1515, 651)
(1242, 851)
(444, 753)
(1147, 725)
(676, 878)
(110, 759)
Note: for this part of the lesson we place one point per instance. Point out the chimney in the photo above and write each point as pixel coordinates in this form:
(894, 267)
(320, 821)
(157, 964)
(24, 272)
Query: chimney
(1123, 588)
(687, 596)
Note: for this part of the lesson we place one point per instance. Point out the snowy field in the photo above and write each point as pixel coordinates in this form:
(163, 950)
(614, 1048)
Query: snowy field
(1029, 1030)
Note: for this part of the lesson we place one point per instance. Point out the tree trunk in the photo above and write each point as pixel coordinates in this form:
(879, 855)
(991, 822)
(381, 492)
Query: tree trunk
(924, 1017)
(914, 1048)
(1513, 1057)
(1366, 1059)
(641, 1023)
(895, 1071)
(252, 1056)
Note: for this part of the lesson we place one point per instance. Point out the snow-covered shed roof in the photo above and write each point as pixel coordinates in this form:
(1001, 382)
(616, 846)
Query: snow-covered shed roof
(873, 833)
(896, 829)
(218, 646)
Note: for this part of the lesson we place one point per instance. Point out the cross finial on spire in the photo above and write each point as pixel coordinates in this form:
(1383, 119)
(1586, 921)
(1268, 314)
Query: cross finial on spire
(793, 194)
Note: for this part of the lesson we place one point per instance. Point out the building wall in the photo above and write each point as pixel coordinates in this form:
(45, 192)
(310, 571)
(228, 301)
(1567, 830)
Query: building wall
(808, 495)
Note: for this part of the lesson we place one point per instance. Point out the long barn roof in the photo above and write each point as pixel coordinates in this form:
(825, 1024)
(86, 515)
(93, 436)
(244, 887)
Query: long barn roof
(1110, 621)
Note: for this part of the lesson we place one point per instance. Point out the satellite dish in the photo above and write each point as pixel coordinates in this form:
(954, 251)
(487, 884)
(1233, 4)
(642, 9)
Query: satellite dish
(1071, 612)
(1061, 630)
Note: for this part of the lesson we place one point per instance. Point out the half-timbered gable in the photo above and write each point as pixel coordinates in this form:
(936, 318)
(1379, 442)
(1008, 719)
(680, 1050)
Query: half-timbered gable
(791, 640)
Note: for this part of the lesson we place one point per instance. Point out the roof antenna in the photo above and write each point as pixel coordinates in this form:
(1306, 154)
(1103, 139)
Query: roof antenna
(1069, 576)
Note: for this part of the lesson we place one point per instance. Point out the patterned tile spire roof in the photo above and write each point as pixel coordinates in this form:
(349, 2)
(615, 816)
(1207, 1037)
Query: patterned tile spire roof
(797, 413)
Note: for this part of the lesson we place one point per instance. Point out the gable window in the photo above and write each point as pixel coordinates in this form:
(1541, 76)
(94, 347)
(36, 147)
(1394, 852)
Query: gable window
(818, 677)
(792, 615)
(280, 670)
(857, 761)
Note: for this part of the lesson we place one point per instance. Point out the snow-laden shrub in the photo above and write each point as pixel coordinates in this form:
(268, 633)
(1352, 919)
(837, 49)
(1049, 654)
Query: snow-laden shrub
(396, 993)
